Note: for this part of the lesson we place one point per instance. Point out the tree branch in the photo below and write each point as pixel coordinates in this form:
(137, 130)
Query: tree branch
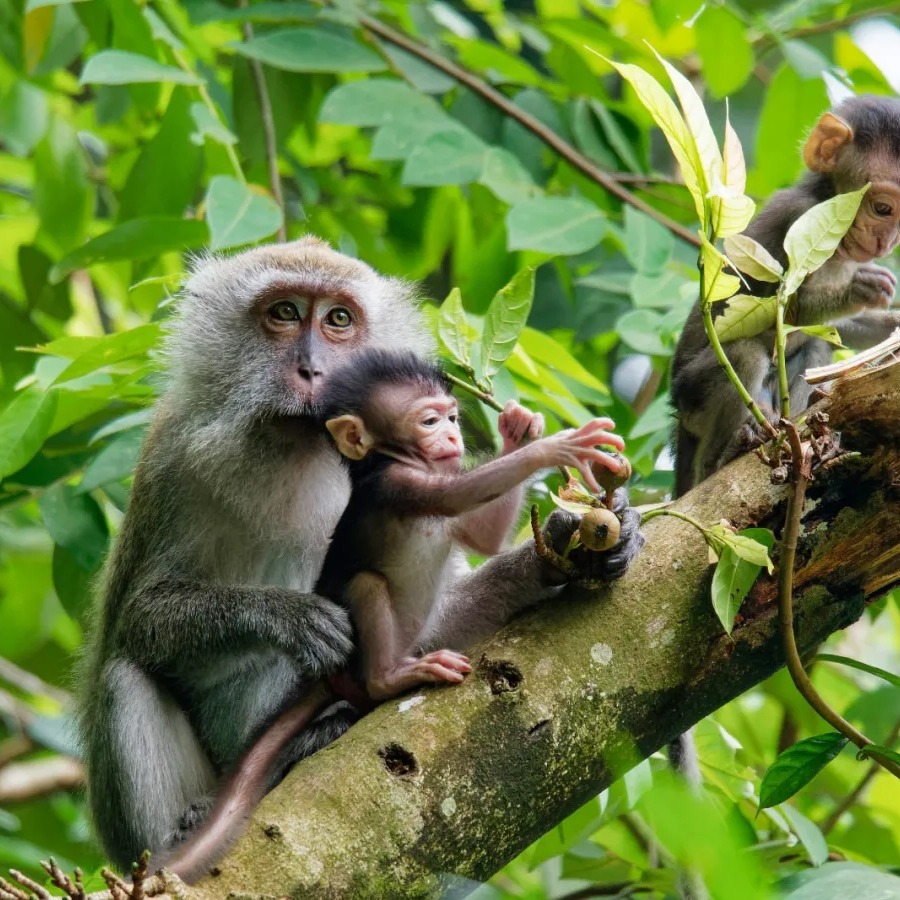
(464, 780)
(572, 156)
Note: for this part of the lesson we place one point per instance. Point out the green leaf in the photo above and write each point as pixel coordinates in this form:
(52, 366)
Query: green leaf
(111, 349)
(142, 238)
(648, 246)
(658, 291)
(570, 505)
(123, 67)
(824, 332)
(814, 237)
(72, 582)
(24, 426)
(717, 284)
(724, 49)
(797, 766)
(115, 461)
(752, 258)
(879, 752)
(454, 330)
(445, 157)
(76, 522)
(209, 126)
(373, 102)
(840, 881)
(237, 215)
(642, 330)
(666, 115)
(23, 117)
(504, 321)
(311, 50)
(863, 667)
(744, 546)
(735, 576)
(565, 225)
(552, 354)
(810, 835)
(745, 316)
(506, 177)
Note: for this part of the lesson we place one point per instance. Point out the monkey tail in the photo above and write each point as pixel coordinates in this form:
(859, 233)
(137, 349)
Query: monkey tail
(242, 791)
(685, 447)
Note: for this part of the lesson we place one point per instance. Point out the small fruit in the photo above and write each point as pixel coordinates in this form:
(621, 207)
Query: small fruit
(609, 480)
(599, 529)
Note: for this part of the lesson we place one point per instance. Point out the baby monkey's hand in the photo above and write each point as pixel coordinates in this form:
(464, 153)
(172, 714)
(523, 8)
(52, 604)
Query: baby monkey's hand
(578, 448)
(518, 425)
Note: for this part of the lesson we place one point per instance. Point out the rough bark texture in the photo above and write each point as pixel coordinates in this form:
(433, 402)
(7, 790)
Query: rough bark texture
(459, 780)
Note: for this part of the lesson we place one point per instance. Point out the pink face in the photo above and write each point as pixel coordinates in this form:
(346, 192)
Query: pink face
(433, 423)
(875, 231)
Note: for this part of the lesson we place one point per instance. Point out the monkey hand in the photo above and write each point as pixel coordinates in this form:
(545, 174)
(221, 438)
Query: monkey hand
(517, 425)
(578, 448)
(607, 565)
(873, 286)
(324, 635)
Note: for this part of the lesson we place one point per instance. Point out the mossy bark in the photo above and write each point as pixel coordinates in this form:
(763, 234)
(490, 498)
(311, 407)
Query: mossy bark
(567, 698)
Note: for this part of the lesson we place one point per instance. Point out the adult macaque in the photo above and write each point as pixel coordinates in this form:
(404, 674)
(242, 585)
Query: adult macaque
(393, 417)
(209, 629)
(857, 143)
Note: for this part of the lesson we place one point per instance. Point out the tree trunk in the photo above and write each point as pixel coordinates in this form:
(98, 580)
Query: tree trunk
(567, 698)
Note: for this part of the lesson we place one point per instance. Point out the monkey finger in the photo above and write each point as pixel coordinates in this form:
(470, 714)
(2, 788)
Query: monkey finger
(536, 427)
(449, 659)
(436, 672)
(607, 461)
(588, 477)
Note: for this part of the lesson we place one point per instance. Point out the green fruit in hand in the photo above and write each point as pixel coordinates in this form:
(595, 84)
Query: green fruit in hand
(599, 529)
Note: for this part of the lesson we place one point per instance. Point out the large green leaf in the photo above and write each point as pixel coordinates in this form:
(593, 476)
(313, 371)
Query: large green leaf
(814, 237)
(861, 666)
(725, 51)
(123, 67)
(648, 245)
(840, 881)
(376, 101)
(745, 316)
(115, 461)
(445, 157)
(797, 766)
(24, 426)
(454, 330)
(809, 833)
(735, 576)
(112, 349)
(142, 238)
(311, 50)
(504, 321)
(237, 215)
(752, 258)
(76, 522)
(566, 225)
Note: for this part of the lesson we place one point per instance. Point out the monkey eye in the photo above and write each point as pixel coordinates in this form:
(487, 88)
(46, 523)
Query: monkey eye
(284, 311)
(431, 421)
(339, 317)
(882, 209)
(453, 417)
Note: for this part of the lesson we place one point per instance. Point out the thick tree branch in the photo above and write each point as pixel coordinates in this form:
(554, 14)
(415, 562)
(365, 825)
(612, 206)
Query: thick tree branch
(462, 779)
(577, 160)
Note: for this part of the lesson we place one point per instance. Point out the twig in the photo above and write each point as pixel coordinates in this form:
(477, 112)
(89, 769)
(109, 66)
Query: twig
(546, 552)
(31, 684)
(14, 747)
(860, 788)
(268, 125)
(572, 156)
(765, 42)
(786, 608)
(887, 347)
(22, 781)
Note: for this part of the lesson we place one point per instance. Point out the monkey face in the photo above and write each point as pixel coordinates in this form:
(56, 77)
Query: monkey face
(875, 231)
(433, 423)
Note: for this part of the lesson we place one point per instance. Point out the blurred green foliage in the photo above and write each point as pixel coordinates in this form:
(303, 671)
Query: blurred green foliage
(131, 132)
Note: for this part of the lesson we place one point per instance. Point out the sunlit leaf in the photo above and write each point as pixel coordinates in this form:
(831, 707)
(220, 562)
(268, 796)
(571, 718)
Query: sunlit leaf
(454, 330)
(824, 332)
(111, 349)
(745, 547)
(809, 833)
(505, 319)
(814, 237)
(797, 766)
(566, 225)
(237, 215)
(123, 67)
(734, 169)
(745, 317)
(863, 667)
(24, 426)
(551, 353)
(731, 211)
(734, 576)
(752, 258)
(717, 284)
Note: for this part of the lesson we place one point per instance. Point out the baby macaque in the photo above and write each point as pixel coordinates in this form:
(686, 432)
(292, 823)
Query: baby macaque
(393, 417)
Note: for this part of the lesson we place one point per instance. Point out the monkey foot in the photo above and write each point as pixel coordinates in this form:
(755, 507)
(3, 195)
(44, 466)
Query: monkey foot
(411, 671)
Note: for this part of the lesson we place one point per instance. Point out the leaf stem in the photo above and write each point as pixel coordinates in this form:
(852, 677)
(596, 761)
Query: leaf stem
(725, 362)
(786, 606)
(577, 160)
(780, 353)
(268, 127)
(208, 102)
(653, 513)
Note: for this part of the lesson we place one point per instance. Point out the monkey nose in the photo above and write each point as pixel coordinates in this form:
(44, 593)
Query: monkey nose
(308, 373)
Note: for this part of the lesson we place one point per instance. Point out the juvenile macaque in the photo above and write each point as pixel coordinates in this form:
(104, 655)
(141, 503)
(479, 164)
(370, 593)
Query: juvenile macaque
(393, 417)
(209, 645)
(857, 143)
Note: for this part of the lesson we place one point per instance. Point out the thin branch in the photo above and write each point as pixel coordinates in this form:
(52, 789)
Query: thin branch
(584, 165)
(14, 747)
(786, 607)
(268, 124)
(22, 781)
(765, 42)
(860, 788)
(886, 350)
(29, 683)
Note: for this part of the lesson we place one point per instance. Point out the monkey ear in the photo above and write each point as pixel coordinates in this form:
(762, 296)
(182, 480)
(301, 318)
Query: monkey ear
(829, 135)
(351, 436)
